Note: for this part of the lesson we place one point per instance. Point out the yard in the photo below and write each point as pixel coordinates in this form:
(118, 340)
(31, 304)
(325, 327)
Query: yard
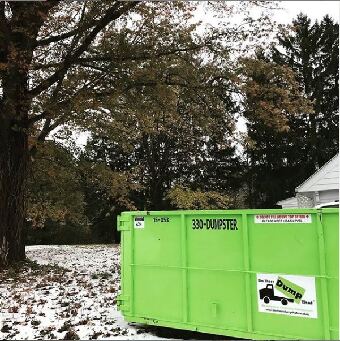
(65, 292)
(69, 292)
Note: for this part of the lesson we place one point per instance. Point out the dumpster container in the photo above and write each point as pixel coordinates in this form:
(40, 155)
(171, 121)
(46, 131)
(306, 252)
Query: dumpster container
(257, 274)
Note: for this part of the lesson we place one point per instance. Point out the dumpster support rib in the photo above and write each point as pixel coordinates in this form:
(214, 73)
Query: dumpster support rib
(184, 268)
(247, 273)
(323, 279)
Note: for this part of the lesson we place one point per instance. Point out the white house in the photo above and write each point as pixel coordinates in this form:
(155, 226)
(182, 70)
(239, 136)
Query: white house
(289, 202)
(321, 187)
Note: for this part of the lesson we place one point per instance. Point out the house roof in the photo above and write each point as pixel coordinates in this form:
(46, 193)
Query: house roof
(325, 178)
(288, 202)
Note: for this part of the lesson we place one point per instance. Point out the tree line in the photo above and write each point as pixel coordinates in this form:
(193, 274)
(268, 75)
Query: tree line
(160, 95)
(176, 163)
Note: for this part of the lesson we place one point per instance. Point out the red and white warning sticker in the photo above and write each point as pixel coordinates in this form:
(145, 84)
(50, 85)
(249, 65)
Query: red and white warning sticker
(283, 218)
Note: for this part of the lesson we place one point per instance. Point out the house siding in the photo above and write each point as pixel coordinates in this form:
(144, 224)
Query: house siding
(327, 196)
(320, 188)
(326, 178)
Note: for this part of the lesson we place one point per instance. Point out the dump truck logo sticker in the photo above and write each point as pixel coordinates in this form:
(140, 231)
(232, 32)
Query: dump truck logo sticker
(215, 224)
(138, 223)
(287, 295)
(282, 218)
(289, 289)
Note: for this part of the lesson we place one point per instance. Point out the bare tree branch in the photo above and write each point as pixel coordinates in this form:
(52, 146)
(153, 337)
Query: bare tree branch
(63, 36)
(110, 58)
(117, 10)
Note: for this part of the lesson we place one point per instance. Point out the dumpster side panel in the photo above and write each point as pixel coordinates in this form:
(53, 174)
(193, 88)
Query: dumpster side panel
(157, 293)
(217, 298)
(156, 262)
(211, 271)
(211, 245)
(279, 249)
(216, 283)
(158, 242)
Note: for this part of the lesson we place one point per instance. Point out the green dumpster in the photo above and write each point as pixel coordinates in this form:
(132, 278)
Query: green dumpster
(257, 274)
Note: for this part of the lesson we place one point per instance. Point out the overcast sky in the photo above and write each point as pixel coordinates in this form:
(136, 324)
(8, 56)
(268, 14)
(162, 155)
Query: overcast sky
(314, 9)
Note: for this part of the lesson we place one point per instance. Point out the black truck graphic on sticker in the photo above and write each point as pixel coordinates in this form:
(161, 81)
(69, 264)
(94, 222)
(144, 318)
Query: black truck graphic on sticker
(267, 294)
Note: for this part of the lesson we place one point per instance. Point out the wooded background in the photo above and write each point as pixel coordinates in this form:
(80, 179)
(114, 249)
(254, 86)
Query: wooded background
(160, 95)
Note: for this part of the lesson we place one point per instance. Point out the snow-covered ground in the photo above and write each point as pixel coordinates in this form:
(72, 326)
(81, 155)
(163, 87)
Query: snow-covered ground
(66, 292)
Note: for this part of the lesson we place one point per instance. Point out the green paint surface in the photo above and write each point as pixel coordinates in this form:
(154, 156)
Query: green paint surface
(196, 270)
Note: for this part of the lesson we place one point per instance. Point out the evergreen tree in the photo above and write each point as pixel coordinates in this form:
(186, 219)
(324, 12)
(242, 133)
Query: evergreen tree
(312, 51)
(279, 160)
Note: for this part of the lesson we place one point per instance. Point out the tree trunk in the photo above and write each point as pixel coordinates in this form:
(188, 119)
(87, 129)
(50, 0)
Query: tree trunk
(13, 163)
(13, 172)
(14, 108)
(18, 35)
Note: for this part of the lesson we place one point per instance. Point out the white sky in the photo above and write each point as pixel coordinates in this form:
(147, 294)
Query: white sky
(316, 10)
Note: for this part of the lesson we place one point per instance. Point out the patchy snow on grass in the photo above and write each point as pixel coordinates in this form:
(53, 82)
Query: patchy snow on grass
(65, 292)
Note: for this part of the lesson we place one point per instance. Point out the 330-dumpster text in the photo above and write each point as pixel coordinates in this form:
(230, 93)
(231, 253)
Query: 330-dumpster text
(215, 224)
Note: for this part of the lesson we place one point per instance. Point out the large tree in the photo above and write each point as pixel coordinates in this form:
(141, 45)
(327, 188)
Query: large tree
(23, 34)
(67, 65)
(182, 144)
(58, 59)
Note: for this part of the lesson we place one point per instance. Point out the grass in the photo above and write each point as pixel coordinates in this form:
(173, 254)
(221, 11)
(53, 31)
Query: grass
(17, 270)
(101, 275)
